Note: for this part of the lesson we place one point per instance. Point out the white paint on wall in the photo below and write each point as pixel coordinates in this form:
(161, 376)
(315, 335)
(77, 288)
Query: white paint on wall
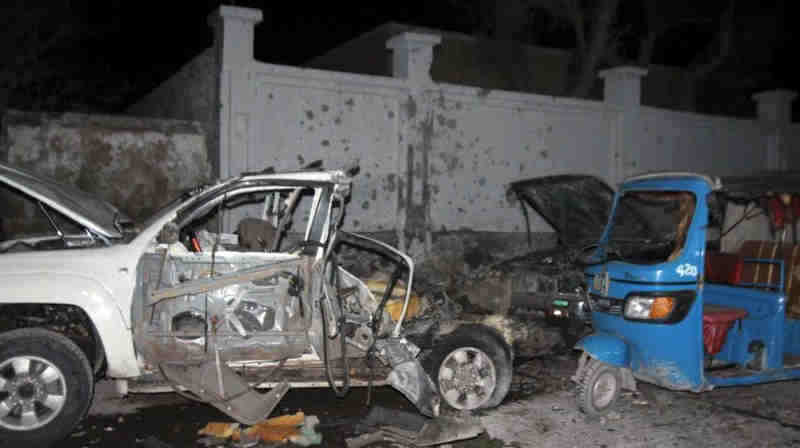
(438, 156)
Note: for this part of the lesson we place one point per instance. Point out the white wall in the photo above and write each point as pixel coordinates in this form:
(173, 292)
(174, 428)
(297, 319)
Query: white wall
(298, 116)
(692, 142)
(438, 157)
(482, 141)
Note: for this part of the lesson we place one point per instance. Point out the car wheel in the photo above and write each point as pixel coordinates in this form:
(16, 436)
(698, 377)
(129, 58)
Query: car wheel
(471, 368)
(599, 386)
(46, 386)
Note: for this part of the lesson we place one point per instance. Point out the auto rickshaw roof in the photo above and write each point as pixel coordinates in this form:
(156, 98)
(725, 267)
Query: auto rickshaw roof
(764, 183)
(712, 181)
(743, 186)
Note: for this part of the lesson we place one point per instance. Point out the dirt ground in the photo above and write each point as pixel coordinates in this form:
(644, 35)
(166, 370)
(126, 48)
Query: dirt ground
(540, 411)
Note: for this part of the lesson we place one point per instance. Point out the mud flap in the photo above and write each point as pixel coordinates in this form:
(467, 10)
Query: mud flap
(220, 386)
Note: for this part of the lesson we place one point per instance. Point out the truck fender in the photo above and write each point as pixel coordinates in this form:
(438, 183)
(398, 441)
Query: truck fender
(89, 295)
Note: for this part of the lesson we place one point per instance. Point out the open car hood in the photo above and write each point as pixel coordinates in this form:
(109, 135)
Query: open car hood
(87, 210)
(575, 205)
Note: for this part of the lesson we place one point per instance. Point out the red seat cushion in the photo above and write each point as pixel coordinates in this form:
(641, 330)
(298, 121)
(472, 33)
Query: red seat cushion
(717, 320)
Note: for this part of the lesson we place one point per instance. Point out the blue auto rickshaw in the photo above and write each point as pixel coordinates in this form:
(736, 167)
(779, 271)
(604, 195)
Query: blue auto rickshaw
(655, 315)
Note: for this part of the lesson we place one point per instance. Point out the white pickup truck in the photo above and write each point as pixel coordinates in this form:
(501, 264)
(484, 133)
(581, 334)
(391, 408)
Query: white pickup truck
(177, 304)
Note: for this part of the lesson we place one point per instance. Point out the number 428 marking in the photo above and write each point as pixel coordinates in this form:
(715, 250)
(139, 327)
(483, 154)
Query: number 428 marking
(686, 269)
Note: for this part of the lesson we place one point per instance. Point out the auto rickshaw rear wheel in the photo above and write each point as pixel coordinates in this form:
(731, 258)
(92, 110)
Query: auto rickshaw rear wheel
(599, 386)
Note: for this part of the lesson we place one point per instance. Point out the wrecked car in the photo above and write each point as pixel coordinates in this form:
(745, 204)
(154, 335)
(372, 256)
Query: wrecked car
(549, 282)
(182, 303)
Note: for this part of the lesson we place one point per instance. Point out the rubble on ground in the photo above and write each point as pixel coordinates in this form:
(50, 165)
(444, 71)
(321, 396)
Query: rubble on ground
(296, 428)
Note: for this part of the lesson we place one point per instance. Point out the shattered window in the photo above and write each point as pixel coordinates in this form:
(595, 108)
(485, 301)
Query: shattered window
(667, 216)
(264, 220)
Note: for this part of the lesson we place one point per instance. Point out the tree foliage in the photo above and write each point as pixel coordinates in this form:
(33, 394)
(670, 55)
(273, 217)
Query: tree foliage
(604, 33)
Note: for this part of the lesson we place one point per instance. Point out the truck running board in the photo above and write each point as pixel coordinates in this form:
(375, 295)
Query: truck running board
(216, 383)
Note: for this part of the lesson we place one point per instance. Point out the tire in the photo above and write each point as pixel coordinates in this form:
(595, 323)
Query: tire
(471, 368)
(45, 376)
(599, 387)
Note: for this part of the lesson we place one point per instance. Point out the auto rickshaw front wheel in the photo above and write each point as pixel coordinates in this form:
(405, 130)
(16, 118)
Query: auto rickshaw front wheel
(599, 386)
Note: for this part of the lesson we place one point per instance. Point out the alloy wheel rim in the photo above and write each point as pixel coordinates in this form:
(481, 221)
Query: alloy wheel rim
(467, 378)
(33, 392)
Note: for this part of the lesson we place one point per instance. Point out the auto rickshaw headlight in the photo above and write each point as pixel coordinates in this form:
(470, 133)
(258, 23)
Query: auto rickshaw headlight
(649, 307)
(659, 306)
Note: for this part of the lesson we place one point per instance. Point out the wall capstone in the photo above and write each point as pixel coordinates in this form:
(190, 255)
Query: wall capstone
(413, 55)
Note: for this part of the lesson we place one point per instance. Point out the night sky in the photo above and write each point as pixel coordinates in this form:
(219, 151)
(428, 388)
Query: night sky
(122, 49)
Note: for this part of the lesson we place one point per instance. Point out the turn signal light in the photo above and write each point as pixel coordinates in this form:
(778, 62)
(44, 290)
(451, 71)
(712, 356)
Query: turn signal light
(661, 307)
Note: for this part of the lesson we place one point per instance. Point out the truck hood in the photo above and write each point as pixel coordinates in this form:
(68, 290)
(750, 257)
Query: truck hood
(575, 205)
(87, 210)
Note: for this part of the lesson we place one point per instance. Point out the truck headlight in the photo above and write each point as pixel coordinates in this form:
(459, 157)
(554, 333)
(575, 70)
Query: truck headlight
(659, 307)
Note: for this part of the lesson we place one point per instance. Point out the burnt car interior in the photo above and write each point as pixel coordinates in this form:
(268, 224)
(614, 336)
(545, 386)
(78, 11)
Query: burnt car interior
(260, 288)
(274, 227)
(260, 318)
(271, 294)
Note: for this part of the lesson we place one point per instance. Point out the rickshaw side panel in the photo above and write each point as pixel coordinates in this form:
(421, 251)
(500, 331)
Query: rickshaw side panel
(661, 354)
(791, 337)
(764, 323)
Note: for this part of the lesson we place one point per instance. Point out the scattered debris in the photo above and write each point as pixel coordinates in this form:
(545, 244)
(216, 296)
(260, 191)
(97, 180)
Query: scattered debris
(276, 429)
(308, 433)
(389, 425)
(219, 430)
(394, 306)
(296, 428)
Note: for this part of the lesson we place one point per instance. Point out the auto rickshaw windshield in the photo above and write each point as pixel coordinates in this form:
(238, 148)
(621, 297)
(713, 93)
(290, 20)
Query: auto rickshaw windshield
(665, 215)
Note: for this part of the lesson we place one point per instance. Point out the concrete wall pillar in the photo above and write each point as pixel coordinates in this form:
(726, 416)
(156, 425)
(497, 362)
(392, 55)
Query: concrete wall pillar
(234, 32)
(234, 29)
(775, 115)
(411, 60)
(412, 56)
(623, 90)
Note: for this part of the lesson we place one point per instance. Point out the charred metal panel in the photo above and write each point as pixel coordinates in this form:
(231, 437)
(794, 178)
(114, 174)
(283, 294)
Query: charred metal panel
(260, 319)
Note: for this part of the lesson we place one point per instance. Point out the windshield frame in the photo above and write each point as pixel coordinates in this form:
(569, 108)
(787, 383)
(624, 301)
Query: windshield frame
(606, 248)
